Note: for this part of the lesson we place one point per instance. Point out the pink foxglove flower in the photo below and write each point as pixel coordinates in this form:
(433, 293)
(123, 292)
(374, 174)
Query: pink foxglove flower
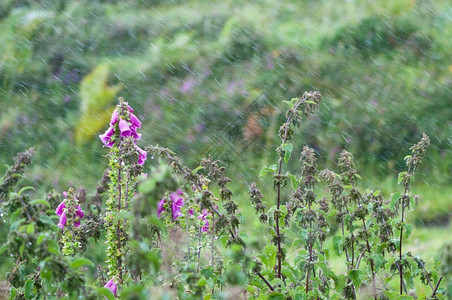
(127, 126)
(106, 137)
(160, 207)
(111, 285)
(134, 120)
(141, 155)
(63, 220)
(124, 128)
(62, 212)
(205, 227)
(176, 204)
(203, 218)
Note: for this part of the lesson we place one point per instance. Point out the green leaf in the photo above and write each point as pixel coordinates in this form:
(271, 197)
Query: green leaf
(196, 170)
(41, 238)
(356, 277)
(80, 262)
(201, 282)
(338, 245)
(28, 290)
(287, 148)
(339, 282)
(267, 169)
(400, 177)
(394, 198)
(46, 220)
(52, 247)
(25, 188)
(12, 293)
(290, 104)
(408, 230)
(13, 226)
(276, 296)
(293, 180)
(268, 257)
(40, 201)
(106, 293)
(3, 248)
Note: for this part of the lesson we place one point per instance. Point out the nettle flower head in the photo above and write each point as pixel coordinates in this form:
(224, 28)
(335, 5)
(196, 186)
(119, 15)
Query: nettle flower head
(69, 209)
(124, 124)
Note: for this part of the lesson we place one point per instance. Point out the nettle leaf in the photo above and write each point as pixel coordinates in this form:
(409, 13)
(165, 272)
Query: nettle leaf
(52, 247)
(40, 201)
(28, 290)
(339, 282)
(396, 295)
(267, 169)
(400, 177)
(356, 276)
(408, 229)
(276, 296)
(288, 272)
(394, 198)
(80, 262)
(293, 180)
(46, 220)
(338, 245)
(103, 291)
(3, 248)
(26, 188)
(268, 257)
(287, 148)
(379, 260)
(290, 104)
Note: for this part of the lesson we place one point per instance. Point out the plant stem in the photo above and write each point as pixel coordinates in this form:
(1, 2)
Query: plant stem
(266, 281)
(278, 190)
(118, 230)
(436, 287)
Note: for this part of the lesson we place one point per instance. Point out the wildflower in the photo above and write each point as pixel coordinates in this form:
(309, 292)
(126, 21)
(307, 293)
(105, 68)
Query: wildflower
(141, 155)
(114, 118)
(63, 213)
(111, 285)
(63, 220)
(106, 138)
(160, 207)
(203, 218)
(190, 212)
(176, 204)
(124, 128)
(205, 227)
(134, 120)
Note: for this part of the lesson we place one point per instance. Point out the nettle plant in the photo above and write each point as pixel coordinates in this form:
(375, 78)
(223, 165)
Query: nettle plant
(371, 235)
(175, 231)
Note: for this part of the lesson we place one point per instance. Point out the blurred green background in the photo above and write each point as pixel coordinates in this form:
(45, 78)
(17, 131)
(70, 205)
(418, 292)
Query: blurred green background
(210, 77)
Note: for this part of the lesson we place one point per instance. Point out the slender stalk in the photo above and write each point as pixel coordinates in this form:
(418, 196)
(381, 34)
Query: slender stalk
(436, 287)
(118, 229)
(278, 193)
(405, 194)
(266, 281)
(426, 274)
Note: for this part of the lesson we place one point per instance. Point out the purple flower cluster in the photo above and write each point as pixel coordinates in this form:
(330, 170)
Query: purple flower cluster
(126, 129)
(111, 285)
(204, 220)
(177, 202)
(63, 213)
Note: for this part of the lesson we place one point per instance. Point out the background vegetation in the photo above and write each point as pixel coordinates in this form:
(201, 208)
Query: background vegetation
(210, 77)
